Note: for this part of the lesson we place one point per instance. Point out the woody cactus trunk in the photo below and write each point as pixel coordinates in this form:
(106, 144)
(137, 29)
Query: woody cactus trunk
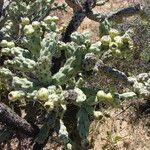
(44, 70)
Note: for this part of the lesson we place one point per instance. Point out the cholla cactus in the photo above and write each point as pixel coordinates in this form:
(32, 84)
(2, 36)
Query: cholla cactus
(28, 68)
(37, 83)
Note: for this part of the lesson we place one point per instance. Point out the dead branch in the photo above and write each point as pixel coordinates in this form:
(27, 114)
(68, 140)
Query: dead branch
(15, 122)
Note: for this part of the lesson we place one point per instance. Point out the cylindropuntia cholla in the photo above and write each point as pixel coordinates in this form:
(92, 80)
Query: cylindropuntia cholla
(47, 19)
(55, 19)
(89, 61)
(96, 48)
(40, 65)
(63, 134)
(81, 97)
(8, 44)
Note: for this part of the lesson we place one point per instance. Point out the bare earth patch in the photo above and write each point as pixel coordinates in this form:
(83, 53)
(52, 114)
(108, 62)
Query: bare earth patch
(127, 128)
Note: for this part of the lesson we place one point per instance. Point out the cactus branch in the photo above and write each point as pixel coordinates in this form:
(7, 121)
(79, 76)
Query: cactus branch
(76, 20)
(73, 25)
(111, 72)
(12, 120)
(70, 96)
(124, 12)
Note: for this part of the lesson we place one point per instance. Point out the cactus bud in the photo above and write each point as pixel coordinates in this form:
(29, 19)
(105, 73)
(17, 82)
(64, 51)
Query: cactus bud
(8, 27)
(117, 52)
(101, 95)
(126, 38)
(10, 44)
(118, 40)
(3, 43)
(28, 30)
(113, 33)
(25, 21)
(97, 114)
(62, 28)
(69, 146)
(15, 95)
(42, 94)
(106, 39)
(36, 24)
(109, 97)
(49, 105)
(55, 19)
(48, 19)
(113, 46)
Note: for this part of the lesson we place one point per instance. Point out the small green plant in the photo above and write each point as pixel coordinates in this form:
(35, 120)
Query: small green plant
(111, 141)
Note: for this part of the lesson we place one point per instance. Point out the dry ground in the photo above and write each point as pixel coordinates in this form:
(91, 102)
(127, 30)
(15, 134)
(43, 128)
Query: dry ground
(125, 128)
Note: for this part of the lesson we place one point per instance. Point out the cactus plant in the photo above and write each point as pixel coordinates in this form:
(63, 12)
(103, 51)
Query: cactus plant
(29, 72)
